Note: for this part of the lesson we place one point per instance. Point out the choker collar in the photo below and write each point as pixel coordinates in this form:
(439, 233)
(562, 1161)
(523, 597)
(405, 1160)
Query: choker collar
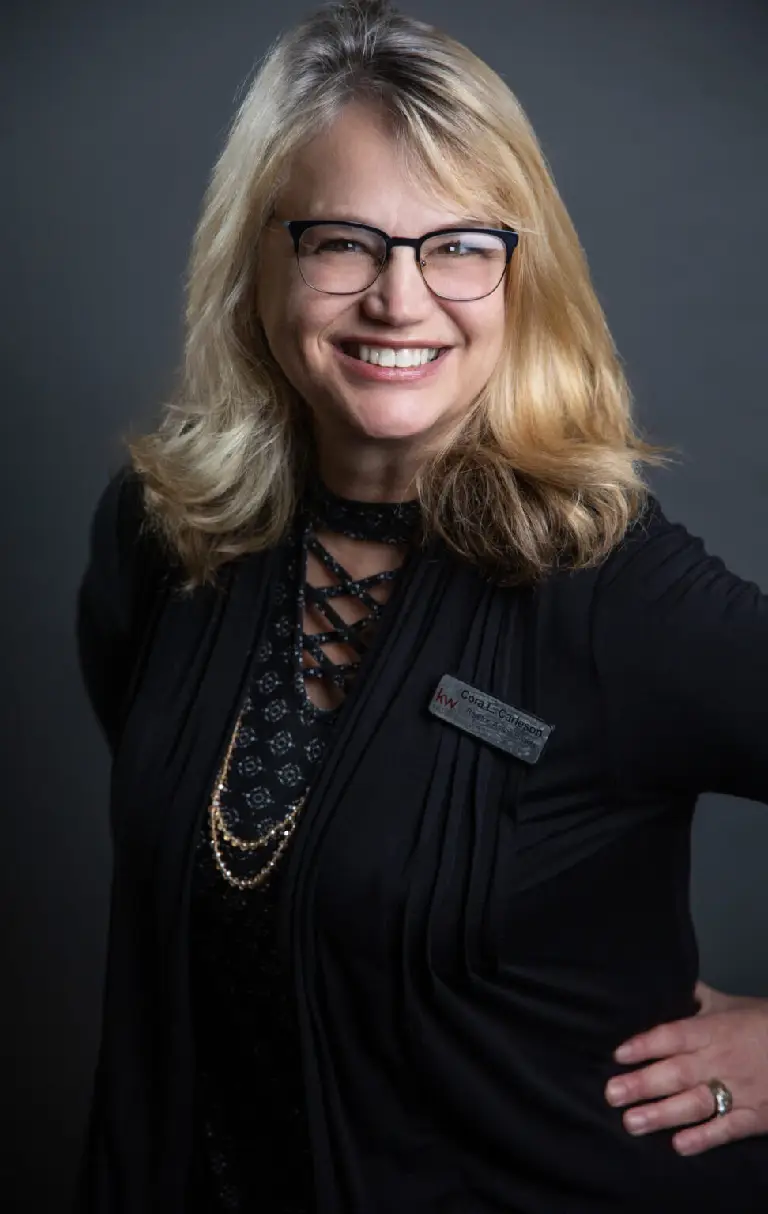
(380, 522)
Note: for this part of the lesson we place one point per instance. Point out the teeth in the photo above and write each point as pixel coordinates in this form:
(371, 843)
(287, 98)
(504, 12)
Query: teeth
(385, 356)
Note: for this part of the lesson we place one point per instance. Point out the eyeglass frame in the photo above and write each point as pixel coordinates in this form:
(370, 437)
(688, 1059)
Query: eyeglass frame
(297, 227)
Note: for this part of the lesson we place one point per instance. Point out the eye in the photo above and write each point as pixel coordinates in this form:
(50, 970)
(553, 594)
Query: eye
(339, 245)
(464, 246)
(457, 247)
(340, 241)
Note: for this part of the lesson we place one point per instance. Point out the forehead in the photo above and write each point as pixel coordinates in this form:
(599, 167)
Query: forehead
(358, 169)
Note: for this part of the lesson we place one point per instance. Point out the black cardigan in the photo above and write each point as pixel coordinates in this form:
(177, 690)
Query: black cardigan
(470, 936)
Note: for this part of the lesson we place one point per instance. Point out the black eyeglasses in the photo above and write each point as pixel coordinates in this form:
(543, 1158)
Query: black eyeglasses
(345, 258)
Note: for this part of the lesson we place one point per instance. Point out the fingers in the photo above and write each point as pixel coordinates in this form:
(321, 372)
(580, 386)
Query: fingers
(686, 1108)
(741, 1123)
(665, 1078)
(693, 1108)
(678, 1037)
(674, 1059)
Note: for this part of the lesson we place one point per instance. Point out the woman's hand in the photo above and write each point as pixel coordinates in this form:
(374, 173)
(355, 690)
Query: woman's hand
(726, 1040)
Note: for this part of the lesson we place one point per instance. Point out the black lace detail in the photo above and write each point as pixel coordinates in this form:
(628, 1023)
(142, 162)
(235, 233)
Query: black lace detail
(251, 1139)
(357, 635)
(380, 522)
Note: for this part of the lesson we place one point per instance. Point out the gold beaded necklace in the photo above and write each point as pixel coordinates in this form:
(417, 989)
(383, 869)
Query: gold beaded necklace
(220, 832)
(388, 524)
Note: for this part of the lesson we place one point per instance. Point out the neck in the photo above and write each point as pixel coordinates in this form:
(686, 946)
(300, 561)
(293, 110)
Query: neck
(372, 471)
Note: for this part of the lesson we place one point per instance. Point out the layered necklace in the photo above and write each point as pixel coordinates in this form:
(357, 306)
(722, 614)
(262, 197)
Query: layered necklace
(381, 523)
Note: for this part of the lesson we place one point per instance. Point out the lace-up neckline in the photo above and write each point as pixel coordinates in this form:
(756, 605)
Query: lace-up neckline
(338, 610)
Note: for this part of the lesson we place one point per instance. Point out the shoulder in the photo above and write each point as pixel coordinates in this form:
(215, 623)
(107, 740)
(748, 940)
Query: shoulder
(661, 567)
(679, 644)
(123, 540)
(659, 590)
(123, 580)
(127, 562)
(120, 520)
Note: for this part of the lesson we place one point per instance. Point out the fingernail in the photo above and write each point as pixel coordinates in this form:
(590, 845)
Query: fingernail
(635, 1121)
(625, 1052)
(616, 1091)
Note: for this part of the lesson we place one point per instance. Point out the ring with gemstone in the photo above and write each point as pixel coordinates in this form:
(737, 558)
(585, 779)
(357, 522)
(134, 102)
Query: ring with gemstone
(723, 1097)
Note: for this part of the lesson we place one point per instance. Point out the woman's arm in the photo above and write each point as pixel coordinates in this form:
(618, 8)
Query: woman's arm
(681, 644)
(681, 649)
(114, 597)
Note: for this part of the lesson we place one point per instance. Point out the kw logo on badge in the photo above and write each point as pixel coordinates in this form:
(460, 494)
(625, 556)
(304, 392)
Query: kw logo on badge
(442, 698)
(483, 716)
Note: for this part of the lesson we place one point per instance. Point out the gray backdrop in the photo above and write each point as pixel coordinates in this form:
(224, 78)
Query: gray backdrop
(653, 114)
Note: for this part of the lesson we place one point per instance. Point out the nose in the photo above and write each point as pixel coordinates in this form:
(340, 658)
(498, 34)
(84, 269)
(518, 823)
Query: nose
(399, 296)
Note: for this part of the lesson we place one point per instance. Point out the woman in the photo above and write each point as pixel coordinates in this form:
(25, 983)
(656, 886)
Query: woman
(411, 687)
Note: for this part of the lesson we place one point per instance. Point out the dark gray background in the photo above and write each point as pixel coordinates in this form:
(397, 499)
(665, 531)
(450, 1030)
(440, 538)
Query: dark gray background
(653, 114)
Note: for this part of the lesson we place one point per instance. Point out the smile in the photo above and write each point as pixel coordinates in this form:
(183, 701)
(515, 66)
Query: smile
(387, 356)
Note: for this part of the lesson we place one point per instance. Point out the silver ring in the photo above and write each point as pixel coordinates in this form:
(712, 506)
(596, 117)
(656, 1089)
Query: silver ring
(723, 1097)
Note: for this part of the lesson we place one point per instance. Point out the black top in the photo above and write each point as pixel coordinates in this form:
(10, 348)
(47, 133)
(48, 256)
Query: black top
(468, 937)
(252, 1144)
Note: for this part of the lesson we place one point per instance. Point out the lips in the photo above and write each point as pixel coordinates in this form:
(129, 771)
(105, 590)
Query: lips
(392, 356)
(352, 343)
(418, 366)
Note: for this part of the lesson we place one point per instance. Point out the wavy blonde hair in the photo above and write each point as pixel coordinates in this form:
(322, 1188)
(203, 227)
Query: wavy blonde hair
(545, 467)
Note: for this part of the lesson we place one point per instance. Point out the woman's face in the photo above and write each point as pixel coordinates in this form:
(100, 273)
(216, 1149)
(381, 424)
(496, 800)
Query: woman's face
(353, 172)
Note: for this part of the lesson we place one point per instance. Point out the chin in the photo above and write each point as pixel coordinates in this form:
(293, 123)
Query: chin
(396, 420)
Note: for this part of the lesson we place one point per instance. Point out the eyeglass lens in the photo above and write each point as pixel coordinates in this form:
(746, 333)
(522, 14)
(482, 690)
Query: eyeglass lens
(459, 265)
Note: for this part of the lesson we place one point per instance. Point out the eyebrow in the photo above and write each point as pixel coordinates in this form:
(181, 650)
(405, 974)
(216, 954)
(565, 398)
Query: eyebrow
(466, 221)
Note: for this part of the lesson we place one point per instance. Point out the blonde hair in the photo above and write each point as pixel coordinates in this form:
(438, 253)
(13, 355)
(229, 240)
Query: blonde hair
(545, 467)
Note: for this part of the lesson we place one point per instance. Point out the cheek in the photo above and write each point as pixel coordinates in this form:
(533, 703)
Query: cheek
(295, 334)
(487, 332)
(285, 325)
(304, 315)
(495, 316)
(284, 310)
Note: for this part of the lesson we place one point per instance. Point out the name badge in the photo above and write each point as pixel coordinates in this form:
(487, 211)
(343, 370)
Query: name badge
(490, 719)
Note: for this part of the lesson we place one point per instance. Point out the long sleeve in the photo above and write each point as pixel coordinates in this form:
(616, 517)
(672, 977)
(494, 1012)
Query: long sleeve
(113, 599)
(681, 650)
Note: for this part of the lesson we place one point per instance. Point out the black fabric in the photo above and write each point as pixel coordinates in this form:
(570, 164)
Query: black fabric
(251, 1139)
(468, 940)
